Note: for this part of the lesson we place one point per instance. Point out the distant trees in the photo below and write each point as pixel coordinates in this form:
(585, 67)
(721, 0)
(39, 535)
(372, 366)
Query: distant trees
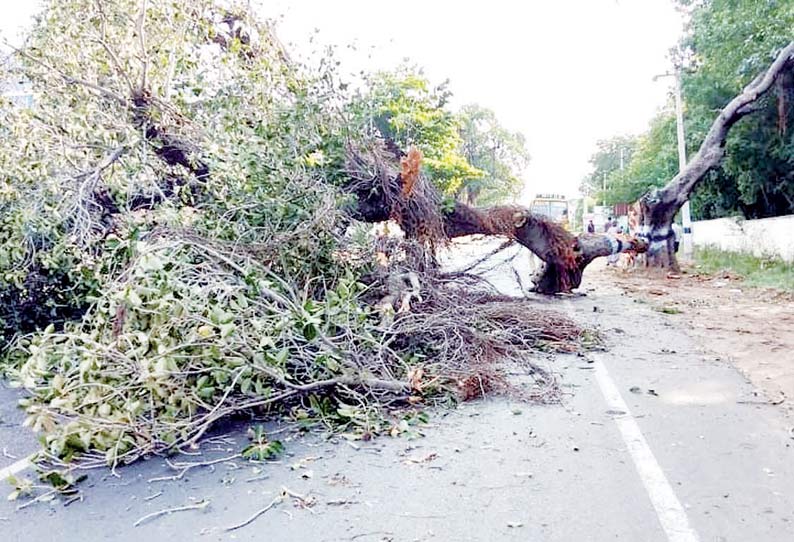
(500, 155)
(469, 155)
(657, 207)
(609, 160)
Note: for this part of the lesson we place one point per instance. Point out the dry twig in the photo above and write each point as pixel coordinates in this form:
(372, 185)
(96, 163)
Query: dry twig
(201, 505)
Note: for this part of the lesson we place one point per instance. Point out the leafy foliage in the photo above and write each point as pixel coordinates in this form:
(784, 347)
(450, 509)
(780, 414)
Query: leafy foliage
(499, 154)
(728, 43)
(177, 181)
(261, 449)
(611, 156)
(653, 162)
(408, 110)
(176, 247)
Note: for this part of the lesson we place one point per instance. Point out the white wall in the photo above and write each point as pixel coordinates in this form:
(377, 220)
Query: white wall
(763, 237)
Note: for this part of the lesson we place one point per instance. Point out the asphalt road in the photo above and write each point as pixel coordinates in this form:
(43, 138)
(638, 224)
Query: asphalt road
(15, 441)
(698, 458)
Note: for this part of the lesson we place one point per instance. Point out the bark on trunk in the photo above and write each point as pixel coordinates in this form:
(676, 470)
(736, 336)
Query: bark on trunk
(564, 255)
(657, 208)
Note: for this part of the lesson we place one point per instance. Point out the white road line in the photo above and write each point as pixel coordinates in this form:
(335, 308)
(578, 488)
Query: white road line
(15, 468)
(671, 513)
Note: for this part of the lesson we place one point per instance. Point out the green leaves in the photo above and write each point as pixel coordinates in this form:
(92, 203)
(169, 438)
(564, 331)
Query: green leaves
(171, 215)
(261, 449)
(651, 162)
(467, 152)
(727, 43)
(499, 156)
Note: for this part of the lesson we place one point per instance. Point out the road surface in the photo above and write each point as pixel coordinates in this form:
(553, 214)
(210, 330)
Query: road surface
(655, 441)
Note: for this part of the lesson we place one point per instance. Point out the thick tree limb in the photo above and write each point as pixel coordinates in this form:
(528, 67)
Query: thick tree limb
(381, 194)
(564, 255)
(712, 149)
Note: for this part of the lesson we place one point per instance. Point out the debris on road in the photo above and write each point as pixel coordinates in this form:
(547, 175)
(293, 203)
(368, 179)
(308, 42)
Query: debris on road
(200, 505)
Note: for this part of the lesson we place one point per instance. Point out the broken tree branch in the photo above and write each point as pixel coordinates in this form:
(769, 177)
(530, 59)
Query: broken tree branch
(201, 505)
(381, 195)
(278, 500)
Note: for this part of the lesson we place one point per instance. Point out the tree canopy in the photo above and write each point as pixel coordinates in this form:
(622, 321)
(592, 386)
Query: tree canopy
(500, 155)
(610, 159)
(468, 153)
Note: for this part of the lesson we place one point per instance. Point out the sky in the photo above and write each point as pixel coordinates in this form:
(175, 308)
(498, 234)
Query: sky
(565, 73)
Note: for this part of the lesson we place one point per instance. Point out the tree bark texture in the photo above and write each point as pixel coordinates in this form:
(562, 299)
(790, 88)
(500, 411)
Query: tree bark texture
(564, 255)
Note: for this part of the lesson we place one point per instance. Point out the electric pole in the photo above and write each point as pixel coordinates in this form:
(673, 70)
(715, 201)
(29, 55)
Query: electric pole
(686, 217)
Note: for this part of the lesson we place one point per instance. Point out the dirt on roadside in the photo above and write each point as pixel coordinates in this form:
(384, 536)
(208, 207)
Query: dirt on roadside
(752, 328)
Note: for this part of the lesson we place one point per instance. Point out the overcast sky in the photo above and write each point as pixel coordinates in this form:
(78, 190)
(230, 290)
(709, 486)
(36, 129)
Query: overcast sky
(563, 72)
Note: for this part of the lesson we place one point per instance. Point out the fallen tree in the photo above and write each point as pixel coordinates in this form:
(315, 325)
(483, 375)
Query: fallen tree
(186, 191)
(384, 192)
(657, 209)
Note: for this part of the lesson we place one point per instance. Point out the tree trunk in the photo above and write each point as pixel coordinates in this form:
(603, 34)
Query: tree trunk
(418, 209)
(564, 255)
(658, 207)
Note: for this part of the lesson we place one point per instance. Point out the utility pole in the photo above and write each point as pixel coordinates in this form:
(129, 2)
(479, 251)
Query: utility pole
(604, 185)
(686, 216)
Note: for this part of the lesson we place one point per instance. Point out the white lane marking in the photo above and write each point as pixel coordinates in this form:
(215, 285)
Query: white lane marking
(15, 468)
(671, 513)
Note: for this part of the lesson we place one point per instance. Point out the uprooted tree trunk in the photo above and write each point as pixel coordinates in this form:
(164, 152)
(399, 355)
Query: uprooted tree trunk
(657, 208)
(564, 255)
(385, 193)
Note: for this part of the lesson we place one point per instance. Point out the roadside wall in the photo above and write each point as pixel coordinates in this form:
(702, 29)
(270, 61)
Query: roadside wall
(763, 237)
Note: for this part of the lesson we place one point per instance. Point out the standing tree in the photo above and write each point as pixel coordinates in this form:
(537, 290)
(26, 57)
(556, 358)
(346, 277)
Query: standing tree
(726, 44)
(659, 206)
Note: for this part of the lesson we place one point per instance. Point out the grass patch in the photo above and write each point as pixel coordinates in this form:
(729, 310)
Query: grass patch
(763, 272)
(667, 310)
